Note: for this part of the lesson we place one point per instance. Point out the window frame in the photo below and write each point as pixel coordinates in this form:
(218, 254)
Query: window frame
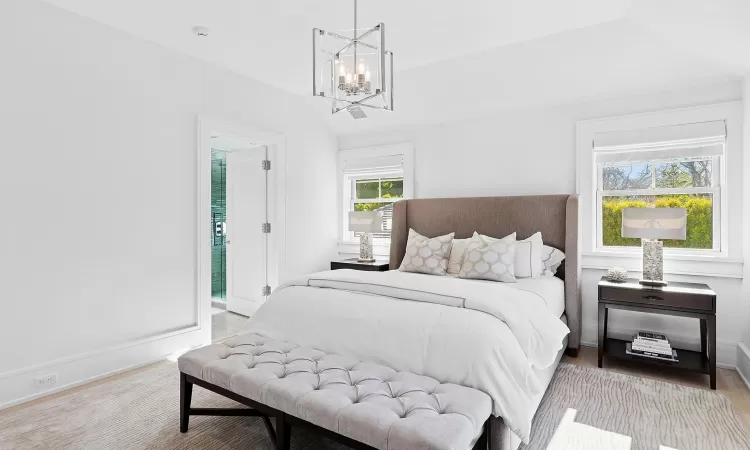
(715, 190)
(347, 244)
(728, 261)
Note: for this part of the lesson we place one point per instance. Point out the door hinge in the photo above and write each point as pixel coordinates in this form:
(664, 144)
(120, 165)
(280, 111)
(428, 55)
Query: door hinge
(266, 291)
(265, 227)
(266, 164)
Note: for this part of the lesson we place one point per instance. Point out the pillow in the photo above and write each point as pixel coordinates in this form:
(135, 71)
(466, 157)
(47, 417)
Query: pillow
(494, 262)
(528, 255)
(551, 260)
(426, 255)
(458, 251)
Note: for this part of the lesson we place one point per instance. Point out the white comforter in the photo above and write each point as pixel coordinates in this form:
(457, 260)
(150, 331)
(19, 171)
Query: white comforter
(478, 334)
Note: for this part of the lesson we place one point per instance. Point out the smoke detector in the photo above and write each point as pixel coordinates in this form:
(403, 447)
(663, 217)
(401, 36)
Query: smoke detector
(201, 31)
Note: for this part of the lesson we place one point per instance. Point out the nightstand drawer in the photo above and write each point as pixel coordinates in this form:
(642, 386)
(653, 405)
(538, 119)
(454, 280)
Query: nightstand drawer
(656, 298)
(354, 264)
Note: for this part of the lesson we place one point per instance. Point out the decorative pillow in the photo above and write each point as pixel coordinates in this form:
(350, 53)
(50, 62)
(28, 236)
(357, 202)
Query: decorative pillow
(495, 262)
(458, 252)
(426, 255)
(528, 255)
(551, 260)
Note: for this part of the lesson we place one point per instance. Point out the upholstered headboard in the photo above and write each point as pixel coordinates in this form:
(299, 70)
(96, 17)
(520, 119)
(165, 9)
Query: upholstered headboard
(555, 216)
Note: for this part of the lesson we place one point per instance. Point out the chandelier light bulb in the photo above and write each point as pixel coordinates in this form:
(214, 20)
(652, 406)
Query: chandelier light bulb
(349, 77)
(367, 76)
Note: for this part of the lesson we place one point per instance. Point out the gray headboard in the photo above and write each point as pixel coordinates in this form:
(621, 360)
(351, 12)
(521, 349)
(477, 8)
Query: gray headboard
(556, 216)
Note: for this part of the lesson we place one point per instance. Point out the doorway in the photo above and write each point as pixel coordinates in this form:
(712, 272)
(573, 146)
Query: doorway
(247, 267)
(239, 218)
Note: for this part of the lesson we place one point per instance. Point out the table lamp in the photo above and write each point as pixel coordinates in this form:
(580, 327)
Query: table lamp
(366, 223)
(652, 224)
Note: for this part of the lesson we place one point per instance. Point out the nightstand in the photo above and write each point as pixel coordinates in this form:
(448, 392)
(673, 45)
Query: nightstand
(693, 300)
(352, 263)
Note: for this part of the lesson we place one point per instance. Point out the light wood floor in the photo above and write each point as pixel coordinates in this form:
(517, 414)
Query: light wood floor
(728, 382)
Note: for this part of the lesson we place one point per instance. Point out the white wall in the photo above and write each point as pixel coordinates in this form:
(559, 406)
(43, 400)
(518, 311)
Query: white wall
(98, 188)
(534, 152)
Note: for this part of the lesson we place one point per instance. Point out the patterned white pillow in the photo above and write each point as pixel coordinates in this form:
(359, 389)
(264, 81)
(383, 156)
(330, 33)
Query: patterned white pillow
(426, 255)
(495, 262)
(551, 260)
(528, 254)
(458, 252)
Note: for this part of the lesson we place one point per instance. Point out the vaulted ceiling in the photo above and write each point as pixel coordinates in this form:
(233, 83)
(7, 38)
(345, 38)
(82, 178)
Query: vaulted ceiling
(457, 60)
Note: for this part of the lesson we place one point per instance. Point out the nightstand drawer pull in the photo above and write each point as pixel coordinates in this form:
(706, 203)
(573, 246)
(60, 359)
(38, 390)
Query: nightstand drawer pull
(652, 298)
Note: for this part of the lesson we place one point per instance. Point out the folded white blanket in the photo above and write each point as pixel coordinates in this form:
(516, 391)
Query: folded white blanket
(482, 335)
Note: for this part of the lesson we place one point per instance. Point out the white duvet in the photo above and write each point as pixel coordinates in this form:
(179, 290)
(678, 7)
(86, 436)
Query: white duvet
(483, 335)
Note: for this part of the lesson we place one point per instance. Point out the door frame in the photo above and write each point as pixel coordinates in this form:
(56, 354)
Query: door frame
(208, 126)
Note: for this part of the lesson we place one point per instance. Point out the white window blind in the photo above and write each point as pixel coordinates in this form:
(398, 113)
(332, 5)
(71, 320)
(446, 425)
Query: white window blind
(704, 139)
(374, 166)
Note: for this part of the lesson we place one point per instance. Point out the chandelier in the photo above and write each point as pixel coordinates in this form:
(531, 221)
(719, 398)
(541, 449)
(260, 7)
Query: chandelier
(353, 72)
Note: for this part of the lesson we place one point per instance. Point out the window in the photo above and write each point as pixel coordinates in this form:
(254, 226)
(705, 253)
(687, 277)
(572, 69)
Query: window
(373, 179)
(674, 183)
(682, 172)
(376, 193)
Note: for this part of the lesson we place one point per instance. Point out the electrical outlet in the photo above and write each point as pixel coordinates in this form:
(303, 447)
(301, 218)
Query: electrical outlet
(46, 380)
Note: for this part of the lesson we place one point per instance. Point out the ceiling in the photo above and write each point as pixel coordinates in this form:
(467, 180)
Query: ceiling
(455, 63)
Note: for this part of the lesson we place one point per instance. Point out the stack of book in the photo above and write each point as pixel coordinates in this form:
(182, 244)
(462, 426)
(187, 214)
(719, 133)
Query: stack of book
(653, 346)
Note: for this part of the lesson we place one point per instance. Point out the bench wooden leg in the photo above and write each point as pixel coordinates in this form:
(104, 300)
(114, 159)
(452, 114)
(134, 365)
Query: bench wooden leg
(283, 433)
(186, 395)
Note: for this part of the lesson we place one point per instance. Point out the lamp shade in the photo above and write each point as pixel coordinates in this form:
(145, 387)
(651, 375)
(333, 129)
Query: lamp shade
(654, 223)
(366, 221)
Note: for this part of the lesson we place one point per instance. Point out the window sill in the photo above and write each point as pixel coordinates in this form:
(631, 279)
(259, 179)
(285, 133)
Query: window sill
(674, 264)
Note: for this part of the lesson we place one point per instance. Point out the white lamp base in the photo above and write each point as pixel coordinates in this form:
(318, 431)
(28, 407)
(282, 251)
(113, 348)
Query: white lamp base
(653, 263)
(365, 248)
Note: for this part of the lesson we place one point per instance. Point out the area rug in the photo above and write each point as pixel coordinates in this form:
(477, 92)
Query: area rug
(141, 412)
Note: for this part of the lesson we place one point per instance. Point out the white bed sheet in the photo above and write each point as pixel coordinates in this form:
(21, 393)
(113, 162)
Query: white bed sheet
(550, 289)
(453, 330)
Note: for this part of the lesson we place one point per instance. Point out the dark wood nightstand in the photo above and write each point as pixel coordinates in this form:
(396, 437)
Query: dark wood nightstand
(352, 263)
(676, 299)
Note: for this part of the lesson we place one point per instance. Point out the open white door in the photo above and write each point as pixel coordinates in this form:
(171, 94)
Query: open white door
(246, 242)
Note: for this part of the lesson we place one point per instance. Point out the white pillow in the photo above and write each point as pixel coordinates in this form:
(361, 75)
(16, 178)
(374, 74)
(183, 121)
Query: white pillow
(528, 255)
(494, 262)
(551, 260)
(458, 252)
(426, 255)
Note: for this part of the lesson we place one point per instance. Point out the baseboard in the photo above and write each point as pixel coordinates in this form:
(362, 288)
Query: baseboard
(726, 355)
(743, 363)
(17, 387)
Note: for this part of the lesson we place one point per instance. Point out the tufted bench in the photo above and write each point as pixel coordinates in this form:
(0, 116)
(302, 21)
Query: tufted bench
(362, 405)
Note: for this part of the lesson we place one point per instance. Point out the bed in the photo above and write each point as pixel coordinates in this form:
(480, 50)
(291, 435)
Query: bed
(503, 339)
